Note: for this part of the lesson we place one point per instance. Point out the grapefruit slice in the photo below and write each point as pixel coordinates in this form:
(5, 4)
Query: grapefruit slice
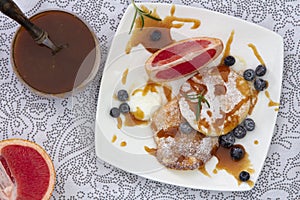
(26, 171)
(182, 58)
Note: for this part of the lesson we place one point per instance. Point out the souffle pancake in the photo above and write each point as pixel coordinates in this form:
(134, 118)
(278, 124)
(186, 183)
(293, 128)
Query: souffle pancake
(179, 146)
(215, 100)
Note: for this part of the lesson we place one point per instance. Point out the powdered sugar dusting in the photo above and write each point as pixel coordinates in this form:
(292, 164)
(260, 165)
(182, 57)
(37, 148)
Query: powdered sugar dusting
(185, 151)
(188, 114)
(185, 87)
(167, 116)
(220, 104)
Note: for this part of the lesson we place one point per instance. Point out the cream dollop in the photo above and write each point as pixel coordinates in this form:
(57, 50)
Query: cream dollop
(147, 103)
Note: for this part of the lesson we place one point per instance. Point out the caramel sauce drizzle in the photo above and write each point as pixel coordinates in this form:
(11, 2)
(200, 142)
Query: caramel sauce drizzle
(225, 162)
(115, 97)
(257, 55)
(203, 122)
(150, 86)
(229, 124)
(242, 85)
(181, 158)
(136, 91)
(167, 92)
(224, 72)
(255, 141)
(170, 19)
(198, 88)
(114, 138)
(170, 132)
(119, 125)
(130, 120)
(209, 113)
(138, 114)
(151, 151)
(142, 35)
(271, 102)
(254, 99)
(227, 47)
(203, 170)
(123, 144)
(124, 76)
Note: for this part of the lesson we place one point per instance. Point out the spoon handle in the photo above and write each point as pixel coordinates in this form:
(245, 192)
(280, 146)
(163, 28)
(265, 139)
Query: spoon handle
(10, 9)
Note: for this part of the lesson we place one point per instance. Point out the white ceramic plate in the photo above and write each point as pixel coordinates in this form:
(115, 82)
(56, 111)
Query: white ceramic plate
(132, 157)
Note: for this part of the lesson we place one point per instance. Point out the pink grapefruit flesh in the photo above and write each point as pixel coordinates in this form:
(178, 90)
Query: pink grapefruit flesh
(182, 58)
(26, 171)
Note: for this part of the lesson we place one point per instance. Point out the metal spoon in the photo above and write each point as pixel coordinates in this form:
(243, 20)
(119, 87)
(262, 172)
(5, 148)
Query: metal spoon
(10, 9)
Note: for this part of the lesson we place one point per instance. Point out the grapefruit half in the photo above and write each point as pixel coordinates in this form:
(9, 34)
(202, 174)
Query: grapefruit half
(26, 171)
(182, 58)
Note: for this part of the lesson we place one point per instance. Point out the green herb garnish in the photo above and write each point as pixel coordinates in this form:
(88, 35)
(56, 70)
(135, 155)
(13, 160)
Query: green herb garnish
(201, 99)
(141, 14)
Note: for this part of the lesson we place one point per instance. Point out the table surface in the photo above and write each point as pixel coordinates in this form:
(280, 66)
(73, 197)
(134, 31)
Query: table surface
(65, 127)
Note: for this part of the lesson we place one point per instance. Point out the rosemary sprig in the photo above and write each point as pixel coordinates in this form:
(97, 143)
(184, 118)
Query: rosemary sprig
(141, 14)
(201, 99)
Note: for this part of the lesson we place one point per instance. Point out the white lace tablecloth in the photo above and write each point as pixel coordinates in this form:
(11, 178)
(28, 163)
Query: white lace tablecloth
(65, 127)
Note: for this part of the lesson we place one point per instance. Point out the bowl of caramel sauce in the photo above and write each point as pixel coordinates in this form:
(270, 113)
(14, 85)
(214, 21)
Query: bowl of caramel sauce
(66, 72)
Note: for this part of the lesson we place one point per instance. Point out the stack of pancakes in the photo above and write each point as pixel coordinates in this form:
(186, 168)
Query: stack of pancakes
(225, 102)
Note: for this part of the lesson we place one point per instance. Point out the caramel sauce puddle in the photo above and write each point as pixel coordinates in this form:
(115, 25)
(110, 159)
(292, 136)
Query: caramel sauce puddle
(225, 162)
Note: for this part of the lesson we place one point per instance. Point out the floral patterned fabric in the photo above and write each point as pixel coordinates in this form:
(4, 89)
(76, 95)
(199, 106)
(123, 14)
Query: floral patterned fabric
(65, 127)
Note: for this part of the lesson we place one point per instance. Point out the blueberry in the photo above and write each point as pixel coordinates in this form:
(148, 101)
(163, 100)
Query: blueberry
(244, 176)
(155, 35)
(227, 140)
(185, 127)
(229, 61)
(249, 74)
(114, 112)
(237, 153)
(239, 132)
(249, 124)
(123, 95)
(260, 84)
(260, 70)
(124, 108)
